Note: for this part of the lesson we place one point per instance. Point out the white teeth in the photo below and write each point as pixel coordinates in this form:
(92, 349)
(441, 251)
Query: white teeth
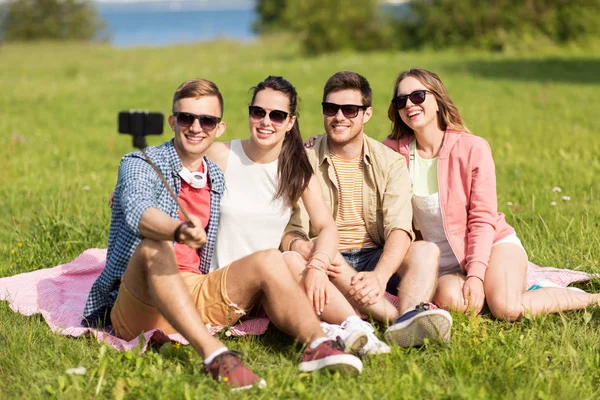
(412, 114)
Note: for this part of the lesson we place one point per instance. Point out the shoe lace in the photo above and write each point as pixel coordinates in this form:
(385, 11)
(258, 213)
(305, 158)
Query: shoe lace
(426, 306)
(338, 343)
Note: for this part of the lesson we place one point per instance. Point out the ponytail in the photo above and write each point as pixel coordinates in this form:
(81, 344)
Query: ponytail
(293, 168)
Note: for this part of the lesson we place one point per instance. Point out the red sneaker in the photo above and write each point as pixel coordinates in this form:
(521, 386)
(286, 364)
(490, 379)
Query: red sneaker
(330, 356)
(229, 369)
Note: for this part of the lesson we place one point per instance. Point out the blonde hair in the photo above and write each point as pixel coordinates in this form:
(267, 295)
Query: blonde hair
(448, 114)
(196, 88)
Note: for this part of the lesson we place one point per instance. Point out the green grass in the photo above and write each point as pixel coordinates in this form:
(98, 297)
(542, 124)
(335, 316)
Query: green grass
(59, 152)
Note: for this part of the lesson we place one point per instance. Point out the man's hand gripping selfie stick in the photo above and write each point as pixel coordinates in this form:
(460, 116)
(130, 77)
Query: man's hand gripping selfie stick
(142, 123)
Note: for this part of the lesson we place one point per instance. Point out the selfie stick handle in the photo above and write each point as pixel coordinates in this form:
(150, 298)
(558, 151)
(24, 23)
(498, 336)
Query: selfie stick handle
(139, 141)
(171, 192)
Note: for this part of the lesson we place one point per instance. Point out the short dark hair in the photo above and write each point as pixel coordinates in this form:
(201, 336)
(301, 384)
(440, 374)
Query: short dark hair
(346, 80)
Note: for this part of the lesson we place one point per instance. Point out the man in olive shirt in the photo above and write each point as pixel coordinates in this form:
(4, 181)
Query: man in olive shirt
(367, 188)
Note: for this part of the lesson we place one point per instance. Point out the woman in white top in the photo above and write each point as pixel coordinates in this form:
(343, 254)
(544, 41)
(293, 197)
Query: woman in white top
(264, 176)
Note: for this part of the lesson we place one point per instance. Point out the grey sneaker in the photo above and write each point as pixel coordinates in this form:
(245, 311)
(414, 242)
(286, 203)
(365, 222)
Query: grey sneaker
(373, 346)
(425, 321)
(353, 341)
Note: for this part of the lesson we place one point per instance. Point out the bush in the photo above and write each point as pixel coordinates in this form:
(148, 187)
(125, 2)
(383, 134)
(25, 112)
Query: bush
(497, 24)
(270, 16)
(327, 25)
(49, 19)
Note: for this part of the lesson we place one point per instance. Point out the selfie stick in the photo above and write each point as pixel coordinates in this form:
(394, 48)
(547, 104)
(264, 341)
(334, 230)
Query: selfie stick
(139, 141)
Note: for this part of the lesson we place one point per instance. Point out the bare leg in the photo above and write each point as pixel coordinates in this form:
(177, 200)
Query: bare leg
(418, 275)
(449, 294)
(153, 277)
(383, 310)
(286, 304)
(338, 308)
(506, 294)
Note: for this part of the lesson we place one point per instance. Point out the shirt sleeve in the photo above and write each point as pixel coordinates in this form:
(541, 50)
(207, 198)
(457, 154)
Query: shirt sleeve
(483, 211)
(135, 188)
(397, 205)
(299, 223)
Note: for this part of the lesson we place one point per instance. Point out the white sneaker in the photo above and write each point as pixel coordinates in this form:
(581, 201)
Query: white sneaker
(373, 345)
(353, 341)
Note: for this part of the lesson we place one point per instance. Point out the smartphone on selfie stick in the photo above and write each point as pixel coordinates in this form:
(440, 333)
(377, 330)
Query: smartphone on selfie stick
(140, 123)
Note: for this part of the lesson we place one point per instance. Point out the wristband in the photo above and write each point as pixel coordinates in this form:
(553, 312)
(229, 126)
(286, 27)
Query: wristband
(322, 252)
(292, 242)
(317, 267)
(177, 233)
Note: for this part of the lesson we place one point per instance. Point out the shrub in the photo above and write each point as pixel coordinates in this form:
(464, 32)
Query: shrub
(497, 24)
(49, 19)
(327, 25)
(270, 15)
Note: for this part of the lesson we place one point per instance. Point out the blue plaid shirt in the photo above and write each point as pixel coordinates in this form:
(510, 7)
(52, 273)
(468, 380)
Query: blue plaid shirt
(138, 189)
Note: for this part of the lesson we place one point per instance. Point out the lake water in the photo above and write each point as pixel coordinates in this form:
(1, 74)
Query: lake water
(162, 23)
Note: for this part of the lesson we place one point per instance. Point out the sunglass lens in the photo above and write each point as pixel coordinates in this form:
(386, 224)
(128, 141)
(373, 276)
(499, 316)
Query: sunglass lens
(330, 109)
(208, 123)
(257, 113)
(185, 120)
(417, 97)
(277, 117)
(350, 111)
(400, 102)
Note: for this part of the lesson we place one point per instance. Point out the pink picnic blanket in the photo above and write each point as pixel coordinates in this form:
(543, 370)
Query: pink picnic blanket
(60, 293)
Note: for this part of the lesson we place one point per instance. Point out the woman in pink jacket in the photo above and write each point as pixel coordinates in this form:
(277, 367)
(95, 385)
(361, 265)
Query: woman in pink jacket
(455, 206)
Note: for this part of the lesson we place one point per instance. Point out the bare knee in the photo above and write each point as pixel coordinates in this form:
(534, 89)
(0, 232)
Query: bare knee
(294, 261)
(269, 262)
(506, 312)
(449, 298)
(150, 248)
(424, 256)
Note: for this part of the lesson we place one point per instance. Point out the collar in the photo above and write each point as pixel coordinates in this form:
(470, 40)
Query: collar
(323, 150)
(217, 179)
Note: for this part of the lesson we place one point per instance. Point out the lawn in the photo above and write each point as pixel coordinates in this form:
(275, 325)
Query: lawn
(59, 153)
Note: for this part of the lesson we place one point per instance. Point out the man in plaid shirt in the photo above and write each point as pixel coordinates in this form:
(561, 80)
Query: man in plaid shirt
(157, 270)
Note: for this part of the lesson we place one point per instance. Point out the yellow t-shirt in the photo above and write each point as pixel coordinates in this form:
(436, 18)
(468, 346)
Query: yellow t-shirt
(350, 219)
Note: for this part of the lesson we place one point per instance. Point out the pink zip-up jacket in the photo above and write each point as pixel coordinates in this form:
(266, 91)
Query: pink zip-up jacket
(467, 192)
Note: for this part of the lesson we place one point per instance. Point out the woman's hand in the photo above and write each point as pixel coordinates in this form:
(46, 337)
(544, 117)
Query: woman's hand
(335, 268)
(473, 294)
(310, 142)
(315, 284)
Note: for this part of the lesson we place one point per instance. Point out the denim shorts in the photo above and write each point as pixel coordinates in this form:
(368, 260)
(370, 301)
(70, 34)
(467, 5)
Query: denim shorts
(366, 260)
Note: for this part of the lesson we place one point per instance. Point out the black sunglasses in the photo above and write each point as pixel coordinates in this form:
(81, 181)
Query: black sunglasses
(277, 117)
(416, 97)
(349, 110)
(207, 122)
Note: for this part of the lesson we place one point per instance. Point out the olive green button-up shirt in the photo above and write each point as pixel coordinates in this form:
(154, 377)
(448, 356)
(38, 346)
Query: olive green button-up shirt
(386, 191)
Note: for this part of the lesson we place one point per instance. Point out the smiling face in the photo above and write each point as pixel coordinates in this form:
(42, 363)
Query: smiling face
(418, 117)
(264, 132)
(191, 143)
(340, 129)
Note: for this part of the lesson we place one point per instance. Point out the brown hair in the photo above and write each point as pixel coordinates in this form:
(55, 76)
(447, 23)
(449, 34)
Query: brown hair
(346, 80)
(448, 114)
(293, 170)
(196, 88)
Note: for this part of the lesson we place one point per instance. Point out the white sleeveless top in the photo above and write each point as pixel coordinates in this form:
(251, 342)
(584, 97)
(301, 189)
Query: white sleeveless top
(427, 214)
(250, 219)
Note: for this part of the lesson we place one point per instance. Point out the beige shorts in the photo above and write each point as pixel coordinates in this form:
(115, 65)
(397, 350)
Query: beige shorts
(130, 316)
